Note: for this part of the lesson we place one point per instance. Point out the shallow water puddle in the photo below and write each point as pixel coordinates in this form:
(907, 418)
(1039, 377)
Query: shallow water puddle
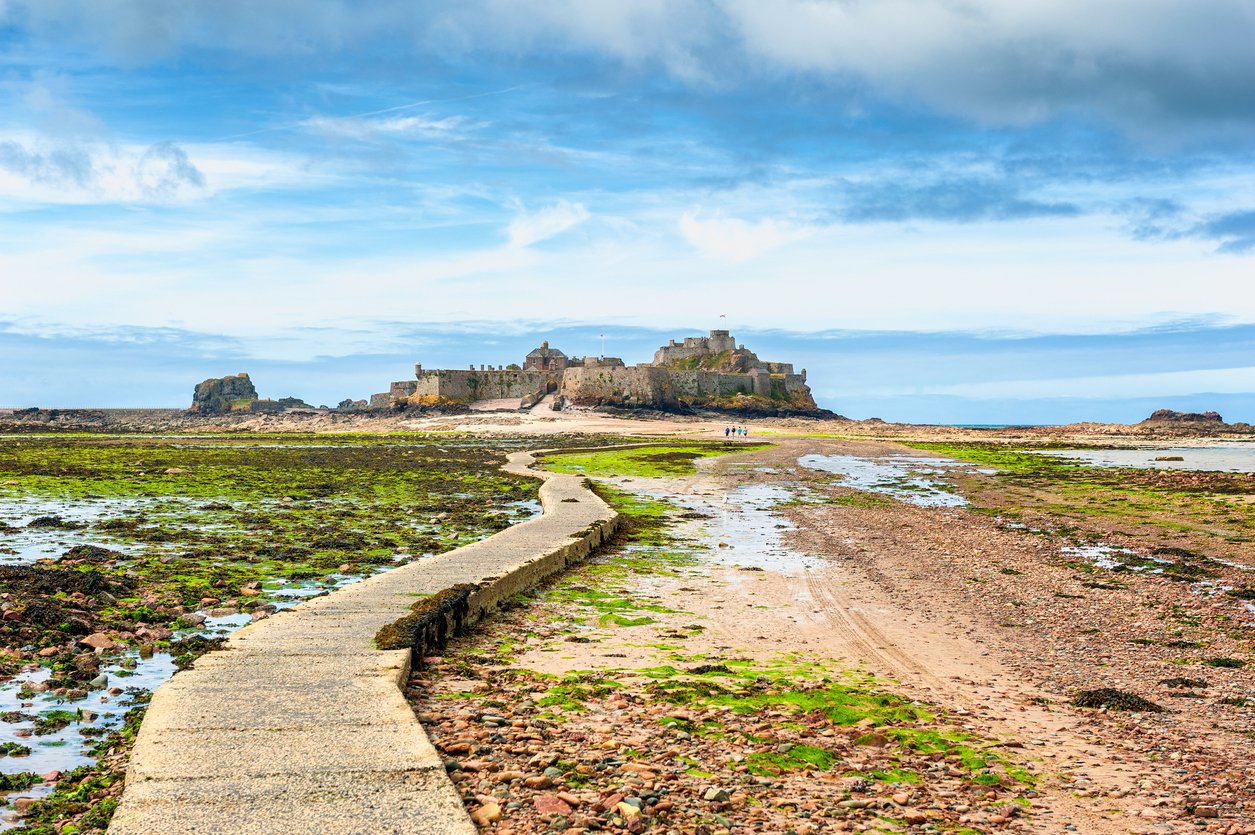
(60, 733)
(25, 709)
(1117, 558)
(20, 542)
(739, 525)
(907, 478)
(1111, 557)
(744, 521)
(1228, 458)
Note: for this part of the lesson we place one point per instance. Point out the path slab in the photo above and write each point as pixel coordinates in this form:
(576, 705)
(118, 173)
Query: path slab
(299, 724)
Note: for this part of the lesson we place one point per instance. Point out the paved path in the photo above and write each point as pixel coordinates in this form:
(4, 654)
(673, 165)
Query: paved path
(300, 724)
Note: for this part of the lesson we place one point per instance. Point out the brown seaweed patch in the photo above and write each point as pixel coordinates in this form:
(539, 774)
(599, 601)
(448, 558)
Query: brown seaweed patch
(1112, 699)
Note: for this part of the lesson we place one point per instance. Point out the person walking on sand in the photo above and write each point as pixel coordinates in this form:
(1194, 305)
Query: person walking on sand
(726, 430)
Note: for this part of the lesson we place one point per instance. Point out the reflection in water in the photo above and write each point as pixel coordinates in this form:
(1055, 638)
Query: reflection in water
(740, 526)
(27, 707)
(904, 477)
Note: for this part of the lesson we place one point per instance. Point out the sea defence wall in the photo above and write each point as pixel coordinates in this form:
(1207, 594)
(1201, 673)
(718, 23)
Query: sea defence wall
(300, 723)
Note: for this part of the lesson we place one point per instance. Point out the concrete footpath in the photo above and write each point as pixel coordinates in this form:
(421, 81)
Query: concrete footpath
(300, 725)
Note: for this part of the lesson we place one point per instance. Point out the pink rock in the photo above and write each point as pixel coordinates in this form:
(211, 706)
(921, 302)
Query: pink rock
(551, 804)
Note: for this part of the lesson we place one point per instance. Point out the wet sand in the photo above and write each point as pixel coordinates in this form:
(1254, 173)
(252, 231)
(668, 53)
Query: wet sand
(984, 621)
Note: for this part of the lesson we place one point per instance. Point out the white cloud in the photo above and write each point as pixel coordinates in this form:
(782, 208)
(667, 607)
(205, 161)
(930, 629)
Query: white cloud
(1021, 62)
(187, 271)
(733, 239)
(533, 227)
(36, 169)
(364, 128)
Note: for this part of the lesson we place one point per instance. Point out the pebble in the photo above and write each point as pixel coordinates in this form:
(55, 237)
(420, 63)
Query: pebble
(551, 804)
(627, 810)
(486, 814)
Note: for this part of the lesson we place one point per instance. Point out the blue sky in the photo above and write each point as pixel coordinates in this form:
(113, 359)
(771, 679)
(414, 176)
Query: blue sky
(952, 211)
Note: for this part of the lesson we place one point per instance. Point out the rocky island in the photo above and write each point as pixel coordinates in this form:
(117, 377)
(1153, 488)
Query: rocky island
(710, 373)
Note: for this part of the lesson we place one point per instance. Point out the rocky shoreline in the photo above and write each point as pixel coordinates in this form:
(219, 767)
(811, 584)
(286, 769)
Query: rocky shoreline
(982, 623)
(546, 724)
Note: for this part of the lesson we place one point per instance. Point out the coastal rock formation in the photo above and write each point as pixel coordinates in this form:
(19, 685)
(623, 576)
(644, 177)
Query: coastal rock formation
(224, 394)
(1169, 416)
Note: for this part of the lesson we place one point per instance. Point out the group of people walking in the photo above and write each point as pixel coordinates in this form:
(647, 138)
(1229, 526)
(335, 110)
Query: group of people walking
(741, 431)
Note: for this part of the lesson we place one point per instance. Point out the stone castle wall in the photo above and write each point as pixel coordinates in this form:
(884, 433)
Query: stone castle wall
(648, 386)
(469, 386)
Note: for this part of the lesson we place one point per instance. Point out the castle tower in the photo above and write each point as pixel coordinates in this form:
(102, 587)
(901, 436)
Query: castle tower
(720, 341)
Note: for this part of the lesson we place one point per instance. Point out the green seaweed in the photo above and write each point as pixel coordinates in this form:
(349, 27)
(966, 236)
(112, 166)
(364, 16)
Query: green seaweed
(661, 460)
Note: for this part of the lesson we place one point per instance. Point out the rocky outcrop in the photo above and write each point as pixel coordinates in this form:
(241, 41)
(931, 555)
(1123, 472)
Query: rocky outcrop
(1169, 416)
(224, 394)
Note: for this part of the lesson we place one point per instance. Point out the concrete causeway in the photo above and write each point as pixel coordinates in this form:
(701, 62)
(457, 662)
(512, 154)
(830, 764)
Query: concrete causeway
(300, 724)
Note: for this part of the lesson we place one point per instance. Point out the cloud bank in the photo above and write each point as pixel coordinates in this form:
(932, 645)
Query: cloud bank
(1146, 65)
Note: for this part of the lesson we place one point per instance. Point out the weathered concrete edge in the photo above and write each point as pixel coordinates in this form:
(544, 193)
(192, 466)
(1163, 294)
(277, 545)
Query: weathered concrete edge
(456, 610)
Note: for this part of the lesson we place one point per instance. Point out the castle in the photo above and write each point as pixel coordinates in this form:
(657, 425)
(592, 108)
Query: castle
(701, 372)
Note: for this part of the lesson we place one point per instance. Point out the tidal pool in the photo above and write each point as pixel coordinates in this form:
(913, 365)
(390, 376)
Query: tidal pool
(60, 733)
(20, 542)
(908, 478)
(1228, 458)
(25, 710)
(740, 526)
